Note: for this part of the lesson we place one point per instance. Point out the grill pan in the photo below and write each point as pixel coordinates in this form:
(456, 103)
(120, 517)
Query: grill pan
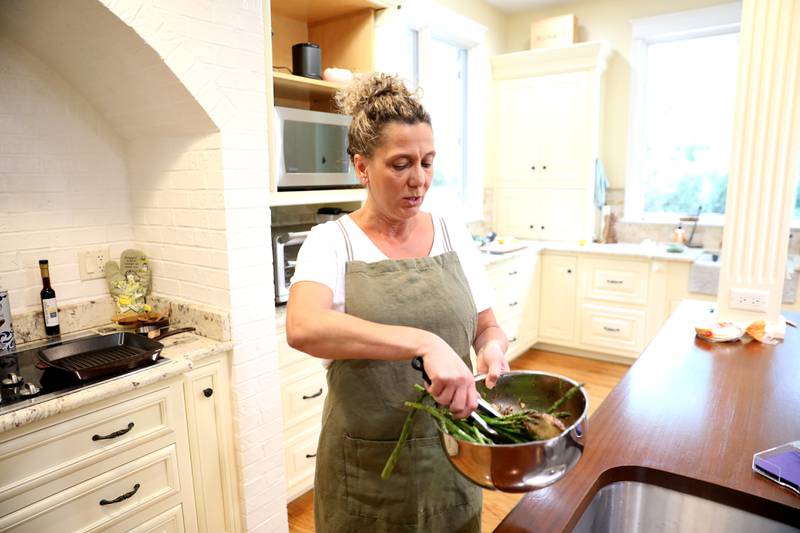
(104, 354)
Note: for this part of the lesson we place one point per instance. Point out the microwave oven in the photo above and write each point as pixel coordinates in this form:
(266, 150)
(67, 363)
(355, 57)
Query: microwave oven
(311, 150)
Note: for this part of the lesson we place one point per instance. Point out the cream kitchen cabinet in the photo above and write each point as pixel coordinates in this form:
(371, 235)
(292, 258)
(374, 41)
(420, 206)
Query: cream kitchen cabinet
(303, 390)
(515, 284)
(546, 133)
(557, 303)
(118, 465)
(210, 427)
(598, 304)
(548, 119)
(544, 214)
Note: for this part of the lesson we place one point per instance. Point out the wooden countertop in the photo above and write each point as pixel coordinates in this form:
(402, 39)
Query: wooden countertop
(689, 415)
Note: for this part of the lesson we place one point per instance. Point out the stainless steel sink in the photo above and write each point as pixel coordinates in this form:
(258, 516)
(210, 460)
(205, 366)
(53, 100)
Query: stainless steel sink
(709, 258)
(632, 506)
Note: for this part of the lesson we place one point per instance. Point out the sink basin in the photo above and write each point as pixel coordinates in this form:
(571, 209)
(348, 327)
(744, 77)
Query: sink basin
(633, 506)
(709, 258)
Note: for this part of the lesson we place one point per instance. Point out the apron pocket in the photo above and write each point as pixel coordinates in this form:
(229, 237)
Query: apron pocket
(423, 483)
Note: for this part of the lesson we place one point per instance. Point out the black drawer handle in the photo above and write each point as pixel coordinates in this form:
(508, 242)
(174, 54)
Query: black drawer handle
(614, 281)
(512, 340)
(612, 330)
(315, 395)
(512, 304)
(121, 498)
(310, 455)
(512, 273)
(114, 435)
(208, 392)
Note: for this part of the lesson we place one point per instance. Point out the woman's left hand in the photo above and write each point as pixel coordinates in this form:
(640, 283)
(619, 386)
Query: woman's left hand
(492, 362)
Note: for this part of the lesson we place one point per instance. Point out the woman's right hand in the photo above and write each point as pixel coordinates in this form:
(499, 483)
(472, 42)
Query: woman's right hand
(452, 384)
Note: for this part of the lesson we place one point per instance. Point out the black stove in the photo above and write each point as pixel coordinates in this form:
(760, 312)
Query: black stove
(25, 380)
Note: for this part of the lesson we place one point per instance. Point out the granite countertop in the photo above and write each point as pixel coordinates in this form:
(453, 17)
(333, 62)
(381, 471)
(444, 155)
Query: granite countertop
(182, 351)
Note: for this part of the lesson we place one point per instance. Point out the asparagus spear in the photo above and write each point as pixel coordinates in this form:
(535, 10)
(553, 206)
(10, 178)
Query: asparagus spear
(391, 462)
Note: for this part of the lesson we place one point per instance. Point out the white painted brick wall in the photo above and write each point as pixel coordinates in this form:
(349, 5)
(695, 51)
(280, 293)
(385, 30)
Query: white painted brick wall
(216, 50)
(63, 185)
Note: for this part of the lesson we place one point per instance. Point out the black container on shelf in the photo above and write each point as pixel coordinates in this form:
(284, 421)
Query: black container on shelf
(306, 60)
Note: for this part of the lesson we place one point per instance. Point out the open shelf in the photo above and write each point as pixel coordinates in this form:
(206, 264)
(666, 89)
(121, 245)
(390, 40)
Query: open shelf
(317, 197)
(313, 11)
(292, 86)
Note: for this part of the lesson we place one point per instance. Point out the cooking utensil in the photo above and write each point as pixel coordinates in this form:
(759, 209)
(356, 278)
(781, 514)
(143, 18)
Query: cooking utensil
(418, 364)
(101, 355)
(531, 465)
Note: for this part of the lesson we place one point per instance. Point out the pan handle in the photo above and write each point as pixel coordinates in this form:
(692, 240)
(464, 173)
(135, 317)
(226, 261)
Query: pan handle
(173, 332)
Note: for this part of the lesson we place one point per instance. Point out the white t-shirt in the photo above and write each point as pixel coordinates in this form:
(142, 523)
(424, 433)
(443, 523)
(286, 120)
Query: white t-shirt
(323, 256)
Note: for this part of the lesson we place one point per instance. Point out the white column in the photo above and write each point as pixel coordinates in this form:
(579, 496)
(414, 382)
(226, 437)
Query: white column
(763, 173)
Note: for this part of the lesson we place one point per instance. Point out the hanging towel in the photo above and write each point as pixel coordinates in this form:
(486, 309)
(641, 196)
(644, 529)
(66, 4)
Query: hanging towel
(600, 183)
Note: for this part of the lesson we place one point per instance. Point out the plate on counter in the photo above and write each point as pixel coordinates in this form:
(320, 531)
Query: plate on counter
(719, 331)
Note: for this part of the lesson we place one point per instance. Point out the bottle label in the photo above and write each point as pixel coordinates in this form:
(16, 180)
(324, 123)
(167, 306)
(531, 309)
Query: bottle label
(50, 310)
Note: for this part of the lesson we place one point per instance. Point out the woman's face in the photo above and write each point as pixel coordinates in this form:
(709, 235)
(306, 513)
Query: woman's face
(400, 169)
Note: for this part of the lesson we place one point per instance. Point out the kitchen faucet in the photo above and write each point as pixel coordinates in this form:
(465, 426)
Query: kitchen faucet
(693, 218)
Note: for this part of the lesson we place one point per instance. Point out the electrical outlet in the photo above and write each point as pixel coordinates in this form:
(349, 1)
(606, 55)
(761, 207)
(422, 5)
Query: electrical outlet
(92, 263)
(749, 300)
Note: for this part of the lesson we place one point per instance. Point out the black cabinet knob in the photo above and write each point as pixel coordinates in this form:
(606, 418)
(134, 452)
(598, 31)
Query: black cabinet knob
(569, 271)
(208, 392)
(533, 167)
(542, 227)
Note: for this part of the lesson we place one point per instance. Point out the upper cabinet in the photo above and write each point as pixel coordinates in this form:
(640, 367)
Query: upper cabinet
(345, 33)
(548, 123)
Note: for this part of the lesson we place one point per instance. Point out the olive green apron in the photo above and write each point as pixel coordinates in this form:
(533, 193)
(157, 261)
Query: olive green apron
(364, 409)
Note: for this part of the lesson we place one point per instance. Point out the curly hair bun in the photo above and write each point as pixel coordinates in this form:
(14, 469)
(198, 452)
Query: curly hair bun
(373, 101)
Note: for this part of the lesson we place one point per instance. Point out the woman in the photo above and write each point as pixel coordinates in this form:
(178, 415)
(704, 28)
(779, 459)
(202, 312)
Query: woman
(373, 290)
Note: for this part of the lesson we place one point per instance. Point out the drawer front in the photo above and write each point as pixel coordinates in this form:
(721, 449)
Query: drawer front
(300, 456)
(303, 398)
(288, 355)
(613, 328)
(39, 456)
(615, 281)
(170, 521)
(509, 300)
(516, 270)
(92, 505)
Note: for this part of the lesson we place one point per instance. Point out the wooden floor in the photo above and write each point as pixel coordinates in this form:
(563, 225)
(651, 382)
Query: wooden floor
(600, 377)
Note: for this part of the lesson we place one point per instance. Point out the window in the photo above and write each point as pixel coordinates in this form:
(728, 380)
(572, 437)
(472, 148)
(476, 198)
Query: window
(685, 67)
(443, 54)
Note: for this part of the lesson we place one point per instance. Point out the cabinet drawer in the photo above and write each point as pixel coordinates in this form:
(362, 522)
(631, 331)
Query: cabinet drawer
(170, 521)
(288, 355)
(40, 456)
(615, 281)
(509, 301)
(613, 327)
(303, 398)
(300, 455)
(516, 270)
(88, 505)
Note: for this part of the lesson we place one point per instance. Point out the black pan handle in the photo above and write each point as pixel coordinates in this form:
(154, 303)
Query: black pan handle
(121, 498)
(418, 364)
(115, 434)
(172, 332)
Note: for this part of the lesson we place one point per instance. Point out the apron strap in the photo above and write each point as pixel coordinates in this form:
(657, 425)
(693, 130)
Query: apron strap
(445, 236)
(347, 244)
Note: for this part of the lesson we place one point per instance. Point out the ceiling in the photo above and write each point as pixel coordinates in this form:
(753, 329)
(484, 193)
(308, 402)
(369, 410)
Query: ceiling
(516, 6)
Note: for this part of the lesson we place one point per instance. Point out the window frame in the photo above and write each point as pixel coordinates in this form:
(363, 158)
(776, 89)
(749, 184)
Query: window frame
(431, 20)
(715, 20)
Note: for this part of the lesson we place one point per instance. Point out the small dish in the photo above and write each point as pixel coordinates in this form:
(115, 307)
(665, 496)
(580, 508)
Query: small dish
(719, 331)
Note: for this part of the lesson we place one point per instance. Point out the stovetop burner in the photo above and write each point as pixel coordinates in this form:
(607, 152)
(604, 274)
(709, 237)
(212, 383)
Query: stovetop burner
(25, 380)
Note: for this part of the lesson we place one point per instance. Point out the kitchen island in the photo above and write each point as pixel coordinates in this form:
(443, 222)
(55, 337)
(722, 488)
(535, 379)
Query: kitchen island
(688, 416)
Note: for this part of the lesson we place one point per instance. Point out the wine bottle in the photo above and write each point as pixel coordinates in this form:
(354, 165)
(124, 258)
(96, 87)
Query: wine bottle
(49, 304)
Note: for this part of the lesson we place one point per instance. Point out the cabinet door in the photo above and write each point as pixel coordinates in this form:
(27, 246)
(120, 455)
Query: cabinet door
(516, 211)
(544, 214)
(557, 309)
(546, 131)
(208, 410)
(563, 214)
(566, 130)
(520, 143)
